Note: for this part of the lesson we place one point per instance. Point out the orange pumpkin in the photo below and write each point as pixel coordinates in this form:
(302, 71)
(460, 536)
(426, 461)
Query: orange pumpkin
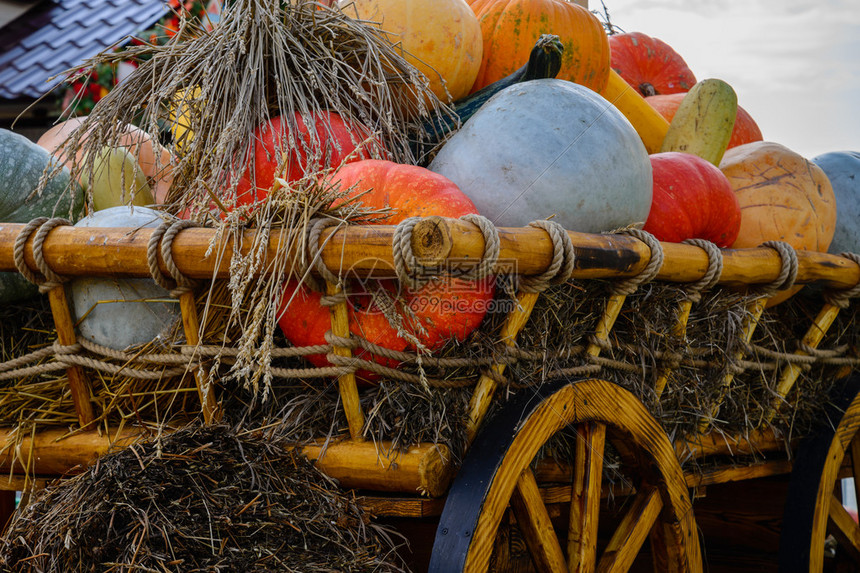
(783, 197)
(441, 38)
(511, 27)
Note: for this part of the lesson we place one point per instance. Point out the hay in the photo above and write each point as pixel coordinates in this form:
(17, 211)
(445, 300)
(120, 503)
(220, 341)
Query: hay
(262, 60)
(201, 499)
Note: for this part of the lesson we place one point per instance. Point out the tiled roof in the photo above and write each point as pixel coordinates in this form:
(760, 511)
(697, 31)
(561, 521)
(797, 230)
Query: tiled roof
(58, 35)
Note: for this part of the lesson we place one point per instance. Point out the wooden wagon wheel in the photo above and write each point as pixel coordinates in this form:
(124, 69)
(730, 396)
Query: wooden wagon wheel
(497, 472)
(818, 534)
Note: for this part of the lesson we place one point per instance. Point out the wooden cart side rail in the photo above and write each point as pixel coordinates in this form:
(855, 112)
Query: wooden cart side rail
(366, 250)
(424, 468)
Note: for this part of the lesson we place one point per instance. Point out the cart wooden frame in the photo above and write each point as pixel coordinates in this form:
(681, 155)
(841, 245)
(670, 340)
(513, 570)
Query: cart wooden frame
(498, 473)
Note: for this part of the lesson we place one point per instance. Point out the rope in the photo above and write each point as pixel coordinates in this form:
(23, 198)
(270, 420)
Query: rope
(655, 262)
(842, 298)
(403, 256)
(563, 258)
(41, 226)
(163, 236)
(315, 229)
(712, 275)
(492, 248)
(788, 272)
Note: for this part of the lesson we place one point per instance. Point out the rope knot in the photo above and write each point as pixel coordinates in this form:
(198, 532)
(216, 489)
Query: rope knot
(163, 235)
(563, 259)
(41, 226)
(655, 263)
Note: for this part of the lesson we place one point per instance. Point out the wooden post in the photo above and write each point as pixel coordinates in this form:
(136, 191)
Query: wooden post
(486, 386)
(191, 326)
(78, 383)
(346, 382)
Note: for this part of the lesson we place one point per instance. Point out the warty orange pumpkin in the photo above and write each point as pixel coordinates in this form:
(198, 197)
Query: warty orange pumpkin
(510, 29)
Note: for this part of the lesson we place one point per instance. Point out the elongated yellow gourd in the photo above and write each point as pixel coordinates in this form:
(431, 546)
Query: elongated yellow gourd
(704, 121)
(649, 124)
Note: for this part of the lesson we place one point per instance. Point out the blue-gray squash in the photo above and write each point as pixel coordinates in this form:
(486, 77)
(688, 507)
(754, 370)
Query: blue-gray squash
(22, 164)
(550, 147)
(843, 170)
(119, 313)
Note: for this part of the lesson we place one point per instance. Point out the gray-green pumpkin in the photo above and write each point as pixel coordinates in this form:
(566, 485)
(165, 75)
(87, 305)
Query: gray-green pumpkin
(22, 164)
(550, 148)
(119, 313)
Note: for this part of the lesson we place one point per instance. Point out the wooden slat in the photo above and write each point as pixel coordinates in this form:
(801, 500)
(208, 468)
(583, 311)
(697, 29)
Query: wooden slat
(78, 383)
(585, 498)
(535, 524)
(482, 395)
(754, 312)
(634, 528)
(792, 370)
(550, 471)
(844, 528)
(614, 304)
(347, 385)
(412, 507)
(205, 387)
(719, 444)
(679, 330)
(738, 473)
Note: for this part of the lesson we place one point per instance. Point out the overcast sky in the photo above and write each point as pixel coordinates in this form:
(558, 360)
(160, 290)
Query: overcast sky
(795, 64)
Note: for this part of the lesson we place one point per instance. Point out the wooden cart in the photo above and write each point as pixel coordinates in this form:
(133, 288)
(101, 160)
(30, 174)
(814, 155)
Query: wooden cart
(558, 512)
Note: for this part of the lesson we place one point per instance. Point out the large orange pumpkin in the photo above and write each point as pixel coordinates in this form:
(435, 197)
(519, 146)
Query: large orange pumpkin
(511, 27)
(441, 38)
(783, 197)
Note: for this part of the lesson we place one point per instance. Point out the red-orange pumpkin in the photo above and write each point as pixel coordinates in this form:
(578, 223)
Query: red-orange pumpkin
(649, 65)
(446, 309)
(692, 199)
(333, 141)
(510, 29)
(746, 130)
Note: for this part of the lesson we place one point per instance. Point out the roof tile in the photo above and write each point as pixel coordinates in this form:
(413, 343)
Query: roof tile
(59, 35)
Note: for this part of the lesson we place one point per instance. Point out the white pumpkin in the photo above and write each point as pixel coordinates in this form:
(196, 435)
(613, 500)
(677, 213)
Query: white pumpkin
(550, 147)
(119, 313)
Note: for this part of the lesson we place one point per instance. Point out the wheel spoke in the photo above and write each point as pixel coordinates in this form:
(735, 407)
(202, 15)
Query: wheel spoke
(631, 533)
(844, 528)
(535, 525)
(585, 498)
